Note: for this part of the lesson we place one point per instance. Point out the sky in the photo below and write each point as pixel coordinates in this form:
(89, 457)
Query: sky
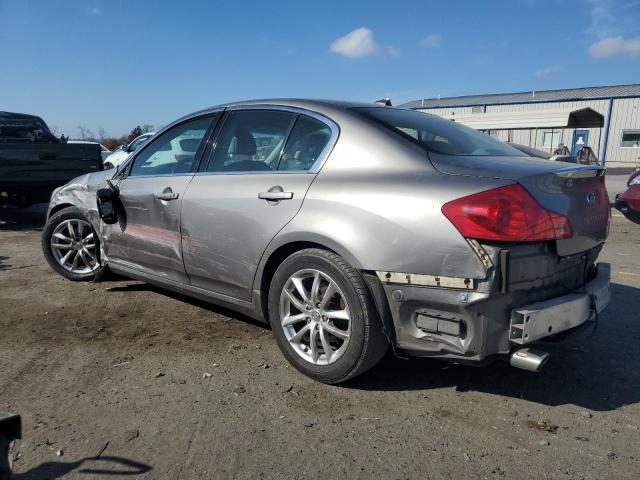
(117, 64)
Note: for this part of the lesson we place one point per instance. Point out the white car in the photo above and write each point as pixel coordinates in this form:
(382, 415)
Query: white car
(104, 151)
(121, 154)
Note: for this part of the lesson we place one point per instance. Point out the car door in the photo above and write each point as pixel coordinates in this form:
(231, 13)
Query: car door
(147, 236)
(252, 185)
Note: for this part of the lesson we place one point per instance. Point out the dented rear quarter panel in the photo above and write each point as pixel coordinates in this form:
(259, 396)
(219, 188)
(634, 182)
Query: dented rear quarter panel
(377, 202)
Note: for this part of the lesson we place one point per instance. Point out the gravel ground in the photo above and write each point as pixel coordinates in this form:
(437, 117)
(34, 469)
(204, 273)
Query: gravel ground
(122, 378)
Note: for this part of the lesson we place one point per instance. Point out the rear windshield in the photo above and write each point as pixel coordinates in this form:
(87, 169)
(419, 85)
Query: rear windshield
(436, 134)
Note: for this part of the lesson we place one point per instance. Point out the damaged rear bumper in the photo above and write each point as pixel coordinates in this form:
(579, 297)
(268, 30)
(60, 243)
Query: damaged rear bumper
(474, 324)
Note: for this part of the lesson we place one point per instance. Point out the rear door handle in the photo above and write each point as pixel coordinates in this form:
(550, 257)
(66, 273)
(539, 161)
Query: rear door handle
(167, 196)
(275, 196)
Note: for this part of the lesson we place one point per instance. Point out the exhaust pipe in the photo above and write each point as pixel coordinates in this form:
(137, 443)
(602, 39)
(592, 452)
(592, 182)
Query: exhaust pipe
(529, 359)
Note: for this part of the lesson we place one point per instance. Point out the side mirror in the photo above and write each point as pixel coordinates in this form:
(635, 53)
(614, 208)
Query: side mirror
(106, 199)
(127, 148)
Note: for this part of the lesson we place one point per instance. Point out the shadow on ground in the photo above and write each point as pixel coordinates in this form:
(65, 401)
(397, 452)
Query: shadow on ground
(598, 370)
(32, 218)
(107, 465)
(146, 287)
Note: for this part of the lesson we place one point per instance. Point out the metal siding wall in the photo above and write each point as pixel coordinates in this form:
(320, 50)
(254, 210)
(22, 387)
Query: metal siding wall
(533, 137)
(446, 112)
(625, 115)
(595, 134)
(521, 137)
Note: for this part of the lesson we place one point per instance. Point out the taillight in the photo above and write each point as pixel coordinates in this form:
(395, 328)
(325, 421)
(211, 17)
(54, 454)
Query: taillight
(506, 214)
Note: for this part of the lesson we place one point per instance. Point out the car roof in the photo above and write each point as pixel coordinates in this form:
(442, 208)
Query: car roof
(318, 105)
(328, 108)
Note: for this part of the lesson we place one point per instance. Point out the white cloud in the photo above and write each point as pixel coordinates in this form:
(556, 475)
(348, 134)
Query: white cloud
(433, 40)
(613, 17)
(613, 46)
(94, 11)
(548, 71)
(359, 43)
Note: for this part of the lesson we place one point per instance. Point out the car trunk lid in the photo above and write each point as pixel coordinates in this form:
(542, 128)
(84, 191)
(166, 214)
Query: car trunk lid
(577, 192)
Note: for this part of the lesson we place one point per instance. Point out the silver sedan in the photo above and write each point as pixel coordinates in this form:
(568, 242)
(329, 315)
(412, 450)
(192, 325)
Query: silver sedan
(350, 228)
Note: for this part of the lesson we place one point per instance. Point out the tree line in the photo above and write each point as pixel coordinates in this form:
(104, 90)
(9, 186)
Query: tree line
(111, 142)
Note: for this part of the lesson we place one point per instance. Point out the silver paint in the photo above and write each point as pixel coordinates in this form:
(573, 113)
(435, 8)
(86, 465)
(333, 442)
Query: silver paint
(372, 197)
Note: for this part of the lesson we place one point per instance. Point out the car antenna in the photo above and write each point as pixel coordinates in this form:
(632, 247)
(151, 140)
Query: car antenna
(384, 101)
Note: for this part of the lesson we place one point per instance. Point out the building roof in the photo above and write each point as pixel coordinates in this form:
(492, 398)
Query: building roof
(586, 93)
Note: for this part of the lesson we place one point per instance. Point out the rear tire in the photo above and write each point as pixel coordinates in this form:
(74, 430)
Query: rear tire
(71, 245)
(307, 325)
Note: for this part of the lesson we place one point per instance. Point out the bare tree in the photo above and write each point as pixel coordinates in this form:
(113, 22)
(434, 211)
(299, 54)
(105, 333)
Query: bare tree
(54, 130)
(102, 134)
(85, 133)
(146, 128)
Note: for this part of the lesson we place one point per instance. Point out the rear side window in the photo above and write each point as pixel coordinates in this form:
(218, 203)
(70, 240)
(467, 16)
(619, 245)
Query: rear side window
(305, 144)
(251, 141)
(436, 134)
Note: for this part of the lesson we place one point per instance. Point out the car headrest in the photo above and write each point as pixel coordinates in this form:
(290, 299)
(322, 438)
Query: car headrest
(245, 144)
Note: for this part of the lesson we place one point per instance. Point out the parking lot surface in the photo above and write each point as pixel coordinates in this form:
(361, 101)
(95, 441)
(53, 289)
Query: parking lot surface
(122, 377)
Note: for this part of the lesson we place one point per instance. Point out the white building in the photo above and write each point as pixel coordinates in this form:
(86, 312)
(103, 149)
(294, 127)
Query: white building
(605, 118)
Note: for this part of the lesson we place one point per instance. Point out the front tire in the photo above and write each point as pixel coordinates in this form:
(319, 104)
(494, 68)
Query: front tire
(70, 245)
(323, 317)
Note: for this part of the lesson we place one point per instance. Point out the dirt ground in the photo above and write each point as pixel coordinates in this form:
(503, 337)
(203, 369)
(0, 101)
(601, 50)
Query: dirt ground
(121, 378)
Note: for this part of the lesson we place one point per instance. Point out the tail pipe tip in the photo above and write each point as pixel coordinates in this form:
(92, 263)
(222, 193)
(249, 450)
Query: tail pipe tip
(529, 359)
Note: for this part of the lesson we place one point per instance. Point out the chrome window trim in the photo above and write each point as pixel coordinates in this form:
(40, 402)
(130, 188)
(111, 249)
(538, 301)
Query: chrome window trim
(258, 172)
(322, 158)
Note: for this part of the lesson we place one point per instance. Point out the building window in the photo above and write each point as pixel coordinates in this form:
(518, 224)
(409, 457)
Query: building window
(550, 138)
(630, 139)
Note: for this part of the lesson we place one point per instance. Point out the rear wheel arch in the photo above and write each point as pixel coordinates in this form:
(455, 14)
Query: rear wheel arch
(273, 261)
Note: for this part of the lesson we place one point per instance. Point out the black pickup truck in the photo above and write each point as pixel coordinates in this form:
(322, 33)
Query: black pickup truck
(33, 161)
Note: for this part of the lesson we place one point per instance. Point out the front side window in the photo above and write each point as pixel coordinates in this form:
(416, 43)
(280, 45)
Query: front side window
(305, 144)
(435, 134)
(631, 139)
(251, 141)
(174, 151)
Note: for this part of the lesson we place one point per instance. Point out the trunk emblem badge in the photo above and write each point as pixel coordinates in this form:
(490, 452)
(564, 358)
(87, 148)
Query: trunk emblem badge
(590, 198)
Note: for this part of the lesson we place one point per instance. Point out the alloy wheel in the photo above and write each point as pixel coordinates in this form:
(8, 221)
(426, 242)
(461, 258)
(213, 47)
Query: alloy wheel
(315, 316)
(74, 247)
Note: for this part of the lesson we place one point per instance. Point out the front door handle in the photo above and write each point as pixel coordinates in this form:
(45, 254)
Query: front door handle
(275, 196)
(167, 196)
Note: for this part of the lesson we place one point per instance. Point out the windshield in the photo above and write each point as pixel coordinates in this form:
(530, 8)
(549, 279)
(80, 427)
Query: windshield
(436, 134)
